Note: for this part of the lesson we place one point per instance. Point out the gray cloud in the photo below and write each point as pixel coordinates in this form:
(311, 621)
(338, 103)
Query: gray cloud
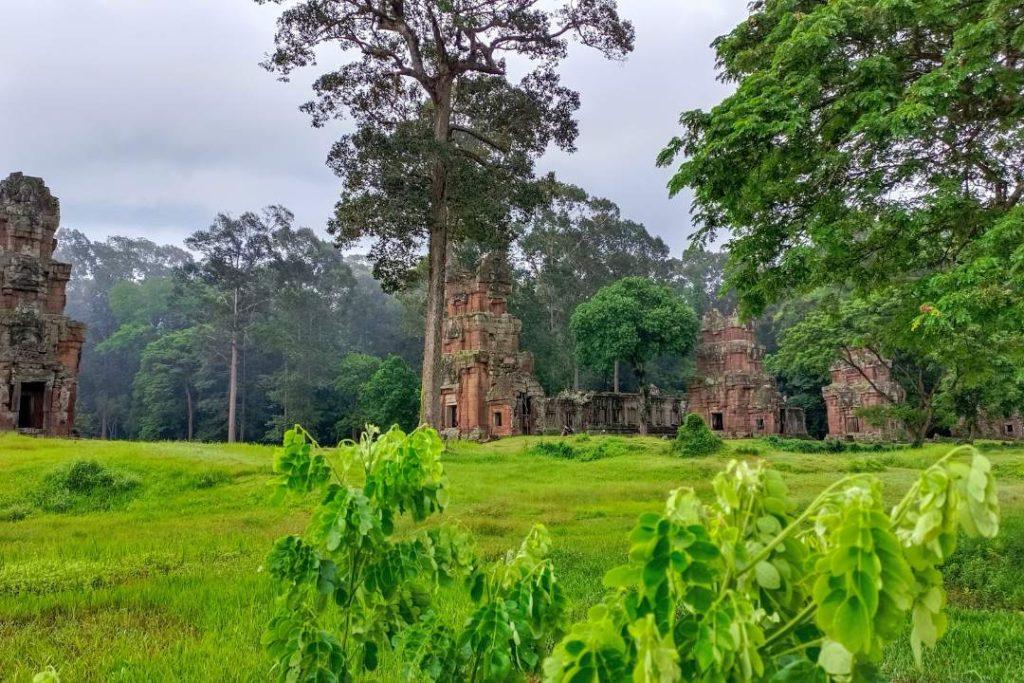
(147, 117)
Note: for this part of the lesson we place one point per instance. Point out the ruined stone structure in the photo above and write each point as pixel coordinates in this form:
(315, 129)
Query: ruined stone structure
(989, 426)
(40, 347)
(867, 384)
(731, 389)
(488, 388)
(612, 413)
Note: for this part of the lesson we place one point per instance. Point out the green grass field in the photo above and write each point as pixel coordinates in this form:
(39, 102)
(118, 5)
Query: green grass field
(161, 581)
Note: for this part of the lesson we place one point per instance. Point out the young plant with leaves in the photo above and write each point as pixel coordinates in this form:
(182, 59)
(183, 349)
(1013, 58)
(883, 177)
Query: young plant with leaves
(748, 588)
(353, 587)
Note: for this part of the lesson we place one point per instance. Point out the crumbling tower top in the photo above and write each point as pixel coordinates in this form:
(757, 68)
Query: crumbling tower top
(29, 216)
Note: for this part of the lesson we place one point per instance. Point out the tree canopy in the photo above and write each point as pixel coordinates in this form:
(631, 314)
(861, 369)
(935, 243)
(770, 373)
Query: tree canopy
(874, 148)
(634, 321)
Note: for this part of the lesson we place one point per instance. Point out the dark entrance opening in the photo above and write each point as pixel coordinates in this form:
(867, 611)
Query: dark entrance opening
(717, 422)
(524, 410)
(453, 415)
(30, 409)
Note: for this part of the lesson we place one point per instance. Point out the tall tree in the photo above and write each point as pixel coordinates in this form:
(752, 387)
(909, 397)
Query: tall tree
(165, 387)
(308, 319)
(633, 320)
(235, 253)
(872, 145)
(573, 247)
(444, 141)
(700, 274)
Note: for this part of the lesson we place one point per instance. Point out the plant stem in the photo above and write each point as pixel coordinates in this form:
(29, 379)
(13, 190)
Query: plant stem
(798, 619)
(801, 646)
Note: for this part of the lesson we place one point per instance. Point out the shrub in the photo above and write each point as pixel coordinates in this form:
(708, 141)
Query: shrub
(584, 449)
(14, 513)
(358, 584)
(83, 486)
(828, 445)
(746, 449)
(554, 449)
(750, 587)
(695, 438)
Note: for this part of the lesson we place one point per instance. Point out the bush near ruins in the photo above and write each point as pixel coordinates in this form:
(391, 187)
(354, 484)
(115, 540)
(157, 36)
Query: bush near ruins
(745, 587)
(829, 445)
(83, 486)
(695, 438)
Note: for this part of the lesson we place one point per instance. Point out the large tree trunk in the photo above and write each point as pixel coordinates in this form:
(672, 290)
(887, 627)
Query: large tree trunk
(188, 411)
(233, 374)
(437, 252)
(615, 378)
(644, 398)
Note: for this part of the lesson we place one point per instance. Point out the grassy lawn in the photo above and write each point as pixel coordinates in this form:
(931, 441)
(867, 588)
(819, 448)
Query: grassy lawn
(164, 585)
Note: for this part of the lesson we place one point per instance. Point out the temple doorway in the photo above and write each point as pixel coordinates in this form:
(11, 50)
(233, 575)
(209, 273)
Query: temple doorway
(31, 407)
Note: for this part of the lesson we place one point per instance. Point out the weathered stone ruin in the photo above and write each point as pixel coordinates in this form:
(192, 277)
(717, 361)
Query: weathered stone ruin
(613, 413)
(992, 426)
(731, 389)
(40, 347)
(488, 388)
(866, 383)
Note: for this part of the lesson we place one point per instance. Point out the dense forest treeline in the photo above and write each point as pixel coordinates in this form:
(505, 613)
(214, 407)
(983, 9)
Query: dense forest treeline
(316, 339)
(157, 360)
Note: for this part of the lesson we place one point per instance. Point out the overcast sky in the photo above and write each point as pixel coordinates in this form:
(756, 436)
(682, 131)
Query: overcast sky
(147, 117)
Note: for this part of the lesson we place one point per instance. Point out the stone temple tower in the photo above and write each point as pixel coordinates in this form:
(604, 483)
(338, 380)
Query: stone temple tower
(488, 388)
(40, 348)
(731, 389)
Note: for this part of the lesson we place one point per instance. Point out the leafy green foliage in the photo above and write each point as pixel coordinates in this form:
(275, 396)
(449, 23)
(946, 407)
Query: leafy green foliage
(391, 395)
(694, 437)
(747, 588)
(382, 584)
(874, 148)
(558, 274)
